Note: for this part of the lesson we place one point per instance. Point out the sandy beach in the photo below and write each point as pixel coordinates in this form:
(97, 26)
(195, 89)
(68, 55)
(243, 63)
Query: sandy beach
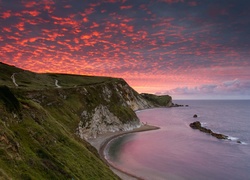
(102, 140)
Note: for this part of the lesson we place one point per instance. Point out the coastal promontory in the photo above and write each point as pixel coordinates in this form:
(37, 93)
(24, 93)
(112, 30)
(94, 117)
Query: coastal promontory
(46, 120)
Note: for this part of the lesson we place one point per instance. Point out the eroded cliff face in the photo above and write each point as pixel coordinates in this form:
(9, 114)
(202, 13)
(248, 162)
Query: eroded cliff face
(114, 112)
(103, 121)
(99, 108)
(90, 105)
(38, 141)
(43, 117)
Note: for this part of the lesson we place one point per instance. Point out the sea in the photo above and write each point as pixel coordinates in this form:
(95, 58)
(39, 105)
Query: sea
(178, 152)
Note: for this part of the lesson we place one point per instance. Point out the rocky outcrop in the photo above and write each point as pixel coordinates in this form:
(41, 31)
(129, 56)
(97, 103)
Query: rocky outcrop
(103, 107)
(41, 124)
(97, 104)
(113, 111)
(100, 108)
(197, 125)
(102, 121)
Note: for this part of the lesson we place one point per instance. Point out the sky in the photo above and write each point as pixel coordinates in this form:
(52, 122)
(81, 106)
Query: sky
(189, 49)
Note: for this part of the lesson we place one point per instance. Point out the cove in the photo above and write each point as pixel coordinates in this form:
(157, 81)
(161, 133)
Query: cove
(176, 151)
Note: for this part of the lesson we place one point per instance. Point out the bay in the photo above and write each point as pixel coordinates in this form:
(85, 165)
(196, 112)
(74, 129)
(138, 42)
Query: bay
(176, 151)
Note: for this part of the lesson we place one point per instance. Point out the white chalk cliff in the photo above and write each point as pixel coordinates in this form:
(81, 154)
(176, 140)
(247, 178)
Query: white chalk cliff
(115, 112)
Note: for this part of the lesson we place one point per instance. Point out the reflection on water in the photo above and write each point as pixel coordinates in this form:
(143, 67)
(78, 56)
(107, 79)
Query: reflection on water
(176, 151)
(117, 145)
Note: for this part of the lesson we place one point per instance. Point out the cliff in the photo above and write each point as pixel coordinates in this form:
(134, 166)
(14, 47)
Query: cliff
(38, 141)
(162, 101)
(104, 107)
(46, 119)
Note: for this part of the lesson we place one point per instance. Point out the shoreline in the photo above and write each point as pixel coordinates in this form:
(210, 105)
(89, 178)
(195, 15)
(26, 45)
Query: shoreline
(101, 142)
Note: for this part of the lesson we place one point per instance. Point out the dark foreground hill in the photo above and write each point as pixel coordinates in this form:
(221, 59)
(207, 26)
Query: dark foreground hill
(45, 120)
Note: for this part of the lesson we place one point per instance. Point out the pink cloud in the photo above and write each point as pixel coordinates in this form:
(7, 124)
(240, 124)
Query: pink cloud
(31, 13)
(29, 4)
(231, 87)
(6, 14)
(125, 7)
(20, 26)
(155, 48)
(7, 29)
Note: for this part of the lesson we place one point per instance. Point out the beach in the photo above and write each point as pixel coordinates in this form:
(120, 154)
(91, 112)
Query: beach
(102, 140)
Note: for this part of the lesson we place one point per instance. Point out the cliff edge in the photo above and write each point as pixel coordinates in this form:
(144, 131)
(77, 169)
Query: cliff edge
(46, 119)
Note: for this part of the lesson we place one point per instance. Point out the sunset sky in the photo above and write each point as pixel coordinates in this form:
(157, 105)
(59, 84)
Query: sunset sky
(186, 48)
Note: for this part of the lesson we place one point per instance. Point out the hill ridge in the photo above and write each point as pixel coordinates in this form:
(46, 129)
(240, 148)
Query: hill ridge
(45, 138)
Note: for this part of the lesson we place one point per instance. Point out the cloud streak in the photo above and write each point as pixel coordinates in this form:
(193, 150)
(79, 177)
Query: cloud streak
(234, 89)
(177, 43)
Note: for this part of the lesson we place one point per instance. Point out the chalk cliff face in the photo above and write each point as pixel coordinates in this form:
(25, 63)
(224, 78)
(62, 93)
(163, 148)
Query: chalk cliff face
(100, 108)
(45, 120)
(114, 110)
(99, 104)
(102, 121)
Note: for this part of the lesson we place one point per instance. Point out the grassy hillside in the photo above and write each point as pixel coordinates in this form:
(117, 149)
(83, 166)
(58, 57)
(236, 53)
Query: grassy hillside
(163, 100)
(30, 80)
(43, 117)
(39, 144)
(38, 125)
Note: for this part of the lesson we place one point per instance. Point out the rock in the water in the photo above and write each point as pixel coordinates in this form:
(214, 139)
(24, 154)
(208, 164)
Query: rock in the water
(197, 125)
(195, 116)
(177, 105)
(219, 136)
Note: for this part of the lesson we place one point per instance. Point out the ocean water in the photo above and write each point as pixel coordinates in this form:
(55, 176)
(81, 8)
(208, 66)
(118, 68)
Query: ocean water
(176, 151)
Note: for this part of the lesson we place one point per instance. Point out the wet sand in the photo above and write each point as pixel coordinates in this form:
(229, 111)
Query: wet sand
(102, 140)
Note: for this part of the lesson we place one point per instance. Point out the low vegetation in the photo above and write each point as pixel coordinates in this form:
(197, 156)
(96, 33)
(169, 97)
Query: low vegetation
(40, 117)
(37, 128)
(163, 100)
(41, 143)
(37, 81)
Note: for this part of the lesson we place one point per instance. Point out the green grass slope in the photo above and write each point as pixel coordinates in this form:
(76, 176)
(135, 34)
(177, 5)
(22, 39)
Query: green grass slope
(38, 125)
(29, 80)
(41, 117)
(37, 143)
(163, 100)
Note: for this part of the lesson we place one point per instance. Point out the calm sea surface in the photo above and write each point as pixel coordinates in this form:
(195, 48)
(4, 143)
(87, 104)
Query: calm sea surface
(176, 151)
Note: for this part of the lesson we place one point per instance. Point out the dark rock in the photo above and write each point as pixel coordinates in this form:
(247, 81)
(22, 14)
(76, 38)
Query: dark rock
(195, 116)
(197, 125)
(205, 130)
(177, 105)
(219, 136)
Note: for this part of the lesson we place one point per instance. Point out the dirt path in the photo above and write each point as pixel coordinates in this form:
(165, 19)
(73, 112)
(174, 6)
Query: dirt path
(13, 79)
(56, 84)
